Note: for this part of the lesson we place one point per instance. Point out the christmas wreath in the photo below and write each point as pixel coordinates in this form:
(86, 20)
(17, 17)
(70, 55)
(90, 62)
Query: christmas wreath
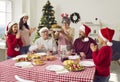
(75, 17)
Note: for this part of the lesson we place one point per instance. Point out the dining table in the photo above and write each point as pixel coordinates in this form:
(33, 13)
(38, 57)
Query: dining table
(8, 70)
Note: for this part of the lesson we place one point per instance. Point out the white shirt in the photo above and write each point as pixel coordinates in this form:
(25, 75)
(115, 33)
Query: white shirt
(48, 44)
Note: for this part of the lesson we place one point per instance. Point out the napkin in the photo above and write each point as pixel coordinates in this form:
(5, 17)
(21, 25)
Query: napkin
(62, 71)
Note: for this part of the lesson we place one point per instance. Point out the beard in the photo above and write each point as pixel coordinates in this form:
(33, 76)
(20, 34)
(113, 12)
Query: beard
(81, 37)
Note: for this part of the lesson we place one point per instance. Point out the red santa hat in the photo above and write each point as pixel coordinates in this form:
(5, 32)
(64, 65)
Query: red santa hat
(107, 34)
(86, 30)
(10, 24)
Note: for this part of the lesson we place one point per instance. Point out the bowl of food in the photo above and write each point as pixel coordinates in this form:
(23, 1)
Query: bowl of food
(51, 58)
(75, 58)
(42, 56)
(37, 62)
(56, 27)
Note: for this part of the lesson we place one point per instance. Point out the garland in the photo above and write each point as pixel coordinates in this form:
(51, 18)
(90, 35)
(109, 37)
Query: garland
(75, 14)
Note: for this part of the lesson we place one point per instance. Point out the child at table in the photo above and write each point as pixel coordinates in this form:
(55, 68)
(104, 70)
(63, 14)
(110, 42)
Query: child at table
(102, 57)
(13, 40)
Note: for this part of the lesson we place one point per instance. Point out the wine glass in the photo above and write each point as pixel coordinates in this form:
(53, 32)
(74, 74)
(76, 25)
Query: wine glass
(73, 52)
(63, 49)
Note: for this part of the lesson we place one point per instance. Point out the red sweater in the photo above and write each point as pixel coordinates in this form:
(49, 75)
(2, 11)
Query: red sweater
(102, 60)
(12, 44)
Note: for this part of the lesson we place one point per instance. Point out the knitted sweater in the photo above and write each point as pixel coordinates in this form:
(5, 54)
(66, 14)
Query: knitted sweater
(81, 46)
(13, 45)
(102, 60)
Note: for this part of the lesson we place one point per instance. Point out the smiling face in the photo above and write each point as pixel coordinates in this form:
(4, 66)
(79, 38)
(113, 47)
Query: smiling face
(25, 18)
(81, 34)
(44, 34)
(14, 28)
(65, 25)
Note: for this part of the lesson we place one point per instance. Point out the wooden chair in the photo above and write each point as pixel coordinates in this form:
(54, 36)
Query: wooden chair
(116, 51)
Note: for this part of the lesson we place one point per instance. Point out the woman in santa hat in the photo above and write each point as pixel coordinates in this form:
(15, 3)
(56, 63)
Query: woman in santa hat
(13, 40)
(25, 32)
(102, 57)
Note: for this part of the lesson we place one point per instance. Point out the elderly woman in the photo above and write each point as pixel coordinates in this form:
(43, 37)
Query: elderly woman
(66, 35)
(44, 43)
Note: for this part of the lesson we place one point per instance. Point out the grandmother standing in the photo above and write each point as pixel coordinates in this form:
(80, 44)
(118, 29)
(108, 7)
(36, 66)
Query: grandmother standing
(66, 35)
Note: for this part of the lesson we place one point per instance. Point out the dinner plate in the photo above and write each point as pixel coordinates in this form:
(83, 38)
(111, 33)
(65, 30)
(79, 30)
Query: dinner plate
(20, 56)
(87, 63)
(41, 54)
(55, 68)
(23, 64)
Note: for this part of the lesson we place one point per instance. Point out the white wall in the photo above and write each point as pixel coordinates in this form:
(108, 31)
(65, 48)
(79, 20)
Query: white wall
(106, 10)
(17, 9)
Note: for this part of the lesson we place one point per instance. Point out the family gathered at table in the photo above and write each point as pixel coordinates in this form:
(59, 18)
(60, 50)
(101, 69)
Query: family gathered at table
(59, 44)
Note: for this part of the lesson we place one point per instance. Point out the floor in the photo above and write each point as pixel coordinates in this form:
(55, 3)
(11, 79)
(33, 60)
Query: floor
(115, 72)
(2, 54)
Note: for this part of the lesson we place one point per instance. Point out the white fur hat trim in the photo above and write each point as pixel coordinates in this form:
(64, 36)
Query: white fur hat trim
(43, 29)
(24, 14)
(82, 28)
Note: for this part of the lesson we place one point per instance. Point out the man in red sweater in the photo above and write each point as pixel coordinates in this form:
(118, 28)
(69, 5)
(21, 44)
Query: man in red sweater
(102, 57)
(81, 45)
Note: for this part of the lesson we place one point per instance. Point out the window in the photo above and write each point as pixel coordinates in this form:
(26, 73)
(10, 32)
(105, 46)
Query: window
(5, 15)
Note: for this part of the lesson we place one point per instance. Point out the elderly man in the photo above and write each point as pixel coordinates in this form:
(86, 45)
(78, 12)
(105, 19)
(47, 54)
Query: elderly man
(44, 43)
(82, 44)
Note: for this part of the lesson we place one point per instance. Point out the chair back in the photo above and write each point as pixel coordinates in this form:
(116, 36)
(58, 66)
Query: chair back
(19, 79)
(116, 50)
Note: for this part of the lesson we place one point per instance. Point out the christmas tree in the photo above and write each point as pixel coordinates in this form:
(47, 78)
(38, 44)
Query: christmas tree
(48, 18)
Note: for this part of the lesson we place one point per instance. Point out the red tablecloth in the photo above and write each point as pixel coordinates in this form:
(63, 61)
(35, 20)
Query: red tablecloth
(40, 74)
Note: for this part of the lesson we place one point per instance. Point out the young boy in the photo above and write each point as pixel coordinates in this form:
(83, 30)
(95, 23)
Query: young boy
(102, 57)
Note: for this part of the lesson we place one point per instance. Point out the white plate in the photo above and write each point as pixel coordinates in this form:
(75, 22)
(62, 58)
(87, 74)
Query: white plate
(74, 57)
(87, 63)
(41, 54)
(55, 68)
(20, 56)
(23, 64)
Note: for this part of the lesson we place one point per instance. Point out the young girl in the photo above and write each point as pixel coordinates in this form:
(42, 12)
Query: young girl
(102, 57)
(13, 40)
(25, 32)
